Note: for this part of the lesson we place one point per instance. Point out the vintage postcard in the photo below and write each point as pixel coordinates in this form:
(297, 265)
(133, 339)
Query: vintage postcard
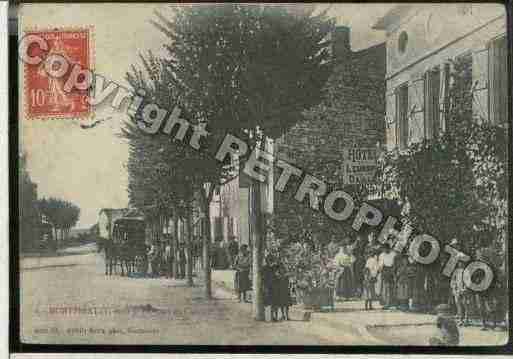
(263, 174)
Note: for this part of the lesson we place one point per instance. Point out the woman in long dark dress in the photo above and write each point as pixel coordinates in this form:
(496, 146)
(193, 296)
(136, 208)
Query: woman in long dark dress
(270, 286)
(243, 266)
(344, 260)
(276, 288)
(284, 297)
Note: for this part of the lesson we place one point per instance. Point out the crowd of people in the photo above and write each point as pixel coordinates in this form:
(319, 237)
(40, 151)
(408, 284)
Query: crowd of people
(372, 271)
(365, 270)
(168, 257)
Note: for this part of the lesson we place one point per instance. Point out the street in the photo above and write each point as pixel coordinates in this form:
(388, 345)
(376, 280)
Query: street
(69, 300)
(179, 315)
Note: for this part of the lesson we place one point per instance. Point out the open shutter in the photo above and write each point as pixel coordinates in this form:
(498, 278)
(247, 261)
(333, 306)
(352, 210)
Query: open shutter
(431, 103)
(498, 81)
(443, 101)
(390, 121)
(416, 111)
(480, 84)
(402, 116)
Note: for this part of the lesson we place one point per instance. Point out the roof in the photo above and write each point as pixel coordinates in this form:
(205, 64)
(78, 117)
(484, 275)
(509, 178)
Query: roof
(392, 17)
(129, 220)
(111, 211)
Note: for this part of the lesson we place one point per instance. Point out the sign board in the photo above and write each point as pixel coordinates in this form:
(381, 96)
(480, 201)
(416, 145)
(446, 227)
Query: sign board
(359, 164)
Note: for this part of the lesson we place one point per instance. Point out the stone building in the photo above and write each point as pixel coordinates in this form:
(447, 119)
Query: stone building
(422, 39)
(349, 118)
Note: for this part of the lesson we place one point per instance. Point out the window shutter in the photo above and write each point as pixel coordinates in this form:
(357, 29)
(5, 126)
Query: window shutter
(402, 117)
(480, 83)
(416, 111)
(445, 73)
(432, 103)
(390, 121)
(498, 81)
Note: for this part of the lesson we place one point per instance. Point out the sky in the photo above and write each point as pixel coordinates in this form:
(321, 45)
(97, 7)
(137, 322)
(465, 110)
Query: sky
(88, 167)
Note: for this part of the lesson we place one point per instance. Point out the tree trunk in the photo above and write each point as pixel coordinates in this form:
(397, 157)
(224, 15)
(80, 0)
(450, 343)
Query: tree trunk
(207, 271)
(257, 240)
(188, 253)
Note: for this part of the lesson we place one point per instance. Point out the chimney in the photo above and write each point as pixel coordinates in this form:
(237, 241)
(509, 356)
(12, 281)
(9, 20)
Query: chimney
(341, 46)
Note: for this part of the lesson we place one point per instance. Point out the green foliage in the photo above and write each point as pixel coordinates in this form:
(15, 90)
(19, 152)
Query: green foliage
(60, 213)
(28, 213)
(244, 67)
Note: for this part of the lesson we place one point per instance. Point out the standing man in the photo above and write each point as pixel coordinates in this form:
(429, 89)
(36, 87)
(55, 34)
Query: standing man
(460, 293)
(180, 261)
(168, 257)
(233, 250)
(370, 278)
(386, 268)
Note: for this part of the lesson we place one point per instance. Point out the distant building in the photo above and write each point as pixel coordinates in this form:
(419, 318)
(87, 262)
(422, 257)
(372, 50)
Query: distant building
(421, 41)
(106, 218)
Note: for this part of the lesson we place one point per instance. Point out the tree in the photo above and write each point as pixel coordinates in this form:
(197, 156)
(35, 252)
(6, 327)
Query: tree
(249, 70)
(29, 218)
(165, 174)
(63, 215)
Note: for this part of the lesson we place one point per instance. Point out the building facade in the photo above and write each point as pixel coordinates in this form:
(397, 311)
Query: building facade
(422, 41)
(230, 209)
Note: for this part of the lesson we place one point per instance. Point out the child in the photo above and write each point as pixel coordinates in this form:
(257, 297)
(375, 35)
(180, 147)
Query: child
(449, 334)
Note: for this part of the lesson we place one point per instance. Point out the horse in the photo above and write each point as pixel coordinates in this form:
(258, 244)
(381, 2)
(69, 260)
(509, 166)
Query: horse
(110, 250)
(132, 257)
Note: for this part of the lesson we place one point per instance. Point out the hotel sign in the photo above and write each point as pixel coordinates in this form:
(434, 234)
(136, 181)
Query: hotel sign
(359, 164)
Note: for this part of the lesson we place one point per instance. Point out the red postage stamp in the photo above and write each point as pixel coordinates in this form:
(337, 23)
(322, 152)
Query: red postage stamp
(45, 96)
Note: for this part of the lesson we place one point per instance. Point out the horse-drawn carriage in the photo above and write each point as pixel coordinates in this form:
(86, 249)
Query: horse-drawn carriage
(127, 247)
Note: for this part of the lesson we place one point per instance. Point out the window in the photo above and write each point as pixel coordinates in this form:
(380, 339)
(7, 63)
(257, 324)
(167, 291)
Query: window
(432, 103)
(498, 81)
(402, 42)
(401, 100)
